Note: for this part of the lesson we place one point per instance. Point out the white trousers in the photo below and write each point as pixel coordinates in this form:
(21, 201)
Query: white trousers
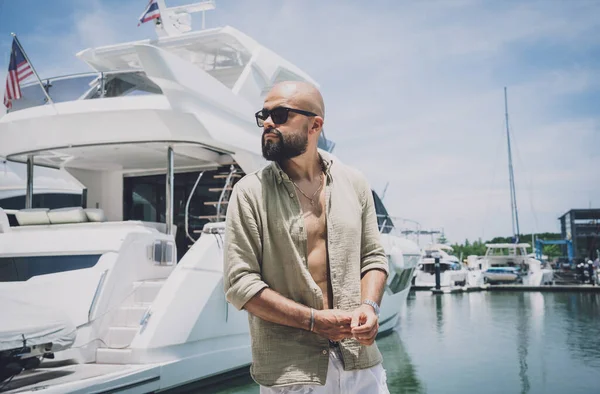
(362, 381)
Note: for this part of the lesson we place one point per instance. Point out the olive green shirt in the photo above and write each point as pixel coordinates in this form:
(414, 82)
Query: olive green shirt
(265, 246)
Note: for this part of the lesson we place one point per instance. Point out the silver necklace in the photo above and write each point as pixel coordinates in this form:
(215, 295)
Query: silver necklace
(311, 199)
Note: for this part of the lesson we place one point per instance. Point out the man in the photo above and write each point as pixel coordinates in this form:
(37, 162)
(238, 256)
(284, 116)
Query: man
(303, 257)
(590, 269)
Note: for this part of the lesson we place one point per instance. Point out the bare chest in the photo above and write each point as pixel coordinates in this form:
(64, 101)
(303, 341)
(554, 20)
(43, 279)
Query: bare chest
(314, 215)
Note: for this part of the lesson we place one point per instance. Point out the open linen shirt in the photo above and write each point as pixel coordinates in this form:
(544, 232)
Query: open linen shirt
(265, 246)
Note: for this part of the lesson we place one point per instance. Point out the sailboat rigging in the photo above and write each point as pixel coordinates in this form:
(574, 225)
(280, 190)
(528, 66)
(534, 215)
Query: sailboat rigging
(511, 178)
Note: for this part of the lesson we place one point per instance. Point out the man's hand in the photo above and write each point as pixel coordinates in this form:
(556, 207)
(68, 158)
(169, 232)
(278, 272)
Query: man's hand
(364, 325)
(333, 324)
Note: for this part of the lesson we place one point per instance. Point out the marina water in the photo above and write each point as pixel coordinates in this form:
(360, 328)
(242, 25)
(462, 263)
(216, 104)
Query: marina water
(490, 342)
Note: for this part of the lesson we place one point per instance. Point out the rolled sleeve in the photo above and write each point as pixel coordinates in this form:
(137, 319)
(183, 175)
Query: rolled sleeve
(242, 277)
(372, 252)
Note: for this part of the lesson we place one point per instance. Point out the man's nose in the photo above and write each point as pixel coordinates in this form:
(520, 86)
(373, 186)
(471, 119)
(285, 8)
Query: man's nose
(268, 123)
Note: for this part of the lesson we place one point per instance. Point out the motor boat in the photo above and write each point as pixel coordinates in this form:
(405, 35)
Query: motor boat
(158, 134)
(452, 272)
(510, 263)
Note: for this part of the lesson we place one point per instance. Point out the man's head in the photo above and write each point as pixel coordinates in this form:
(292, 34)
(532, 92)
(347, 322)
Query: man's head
(292, 119)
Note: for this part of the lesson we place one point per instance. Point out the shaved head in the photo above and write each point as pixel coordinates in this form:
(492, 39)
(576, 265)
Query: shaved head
(301, 94)
(298, 131)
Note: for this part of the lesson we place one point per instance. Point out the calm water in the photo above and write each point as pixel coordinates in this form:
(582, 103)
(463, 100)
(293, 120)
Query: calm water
(488, 342)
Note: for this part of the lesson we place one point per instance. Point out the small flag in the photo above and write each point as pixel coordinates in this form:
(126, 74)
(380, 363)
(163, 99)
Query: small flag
(151, 12)
(19, 69)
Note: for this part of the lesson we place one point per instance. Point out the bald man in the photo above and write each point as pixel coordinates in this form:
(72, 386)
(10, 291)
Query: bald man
(303, 257)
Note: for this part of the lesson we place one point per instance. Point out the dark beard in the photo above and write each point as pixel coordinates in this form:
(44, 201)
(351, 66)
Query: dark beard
(286, 147)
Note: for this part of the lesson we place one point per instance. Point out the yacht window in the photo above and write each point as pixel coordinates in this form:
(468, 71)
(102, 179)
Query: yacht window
(383, 219)
(60, 89)
(85, 86)
(19, 269)
(127, 84)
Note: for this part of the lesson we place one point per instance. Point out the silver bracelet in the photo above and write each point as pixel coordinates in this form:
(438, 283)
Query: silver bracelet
(312, 319)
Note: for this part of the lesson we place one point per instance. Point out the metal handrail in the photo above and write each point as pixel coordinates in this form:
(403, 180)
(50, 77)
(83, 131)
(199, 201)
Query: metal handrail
(89, 73)
(233, 170)
(98, 287)
(187, 207)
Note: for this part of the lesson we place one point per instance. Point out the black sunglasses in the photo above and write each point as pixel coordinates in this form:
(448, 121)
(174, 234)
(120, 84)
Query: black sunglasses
(279, 115)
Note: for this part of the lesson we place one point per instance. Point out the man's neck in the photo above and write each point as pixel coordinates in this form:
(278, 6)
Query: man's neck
(307, 166)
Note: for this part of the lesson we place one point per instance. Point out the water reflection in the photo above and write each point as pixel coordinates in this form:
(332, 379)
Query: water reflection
(439, 314)
(401, 373)
(523, 342)
(582, 326)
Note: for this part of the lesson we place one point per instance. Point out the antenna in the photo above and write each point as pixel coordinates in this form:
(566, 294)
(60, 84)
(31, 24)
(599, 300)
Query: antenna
(384, 190)
(175, 21)
(511, 178)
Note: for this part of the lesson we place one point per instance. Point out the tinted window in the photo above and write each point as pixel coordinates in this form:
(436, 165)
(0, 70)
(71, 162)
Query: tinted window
(45, 200)
(15, 269)
(383, 219)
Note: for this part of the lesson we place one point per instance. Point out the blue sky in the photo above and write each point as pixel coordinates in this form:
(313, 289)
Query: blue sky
(413, 90)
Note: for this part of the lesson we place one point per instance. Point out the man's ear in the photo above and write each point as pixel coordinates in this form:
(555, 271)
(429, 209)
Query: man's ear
(317, 124)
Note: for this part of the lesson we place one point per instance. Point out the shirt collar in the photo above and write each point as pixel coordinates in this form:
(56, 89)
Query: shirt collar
(281, 176)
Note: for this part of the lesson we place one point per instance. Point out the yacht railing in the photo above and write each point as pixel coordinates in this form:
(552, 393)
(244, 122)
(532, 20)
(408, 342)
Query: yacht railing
(224, 197)
(187, 208)
(83, 86)
(96, 294)
(390, 224)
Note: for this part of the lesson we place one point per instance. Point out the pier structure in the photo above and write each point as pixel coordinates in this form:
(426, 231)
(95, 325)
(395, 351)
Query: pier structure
(582, 227)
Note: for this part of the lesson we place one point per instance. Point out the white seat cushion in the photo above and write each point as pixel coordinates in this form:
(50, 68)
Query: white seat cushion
(4, 223)
(33, 216)
(67, 215)
(95, 214)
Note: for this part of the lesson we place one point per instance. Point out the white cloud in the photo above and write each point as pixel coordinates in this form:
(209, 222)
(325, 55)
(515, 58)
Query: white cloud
(414, 96)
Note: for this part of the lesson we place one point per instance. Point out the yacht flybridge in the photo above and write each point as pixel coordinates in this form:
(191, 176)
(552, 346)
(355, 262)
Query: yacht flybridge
(158, 136)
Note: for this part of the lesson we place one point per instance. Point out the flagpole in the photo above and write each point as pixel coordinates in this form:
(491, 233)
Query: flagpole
(33, 69)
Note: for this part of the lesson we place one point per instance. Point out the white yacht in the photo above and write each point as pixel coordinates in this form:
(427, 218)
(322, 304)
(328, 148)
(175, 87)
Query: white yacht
(452, 272)
(510, 263)
(124, 293)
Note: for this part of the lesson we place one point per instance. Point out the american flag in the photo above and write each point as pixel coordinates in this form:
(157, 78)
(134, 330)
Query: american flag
(151, 12)
(19, 69)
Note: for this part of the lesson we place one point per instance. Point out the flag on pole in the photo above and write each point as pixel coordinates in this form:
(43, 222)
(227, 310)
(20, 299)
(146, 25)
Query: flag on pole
(19, 69)
(151, 12)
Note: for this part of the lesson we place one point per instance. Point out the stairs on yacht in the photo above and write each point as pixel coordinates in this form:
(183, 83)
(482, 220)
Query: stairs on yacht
(126, 323)
(229, 175)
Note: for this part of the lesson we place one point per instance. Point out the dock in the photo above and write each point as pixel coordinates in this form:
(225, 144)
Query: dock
(550, 288)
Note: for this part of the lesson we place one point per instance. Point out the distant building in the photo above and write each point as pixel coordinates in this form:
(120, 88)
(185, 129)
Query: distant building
(582, 226)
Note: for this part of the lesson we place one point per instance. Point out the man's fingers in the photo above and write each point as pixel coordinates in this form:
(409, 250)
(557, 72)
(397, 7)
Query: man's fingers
(365, 328)
(355, 318)
(369, 338)
(371, 321)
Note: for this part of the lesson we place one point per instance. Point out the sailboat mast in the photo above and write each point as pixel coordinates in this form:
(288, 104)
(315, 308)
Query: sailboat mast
(511, 178)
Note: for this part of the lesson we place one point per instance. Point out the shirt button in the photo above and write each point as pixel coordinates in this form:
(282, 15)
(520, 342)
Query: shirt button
(324, 352)
(291, 194)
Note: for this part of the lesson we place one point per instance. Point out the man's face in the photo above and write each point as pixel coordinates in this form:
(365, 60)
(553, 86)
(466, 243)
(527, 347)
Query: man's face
(284, 141)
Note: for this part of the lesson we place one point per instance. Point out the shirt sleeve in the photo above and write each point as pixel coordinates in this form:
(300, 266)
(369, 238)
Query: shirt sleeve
(372, 252)
(242, 277)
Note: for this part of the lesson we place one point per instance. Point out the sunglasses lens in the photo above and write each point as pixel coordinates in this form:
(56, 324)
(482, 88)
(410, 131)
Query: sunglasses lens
(279, 115)
(260, 118)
